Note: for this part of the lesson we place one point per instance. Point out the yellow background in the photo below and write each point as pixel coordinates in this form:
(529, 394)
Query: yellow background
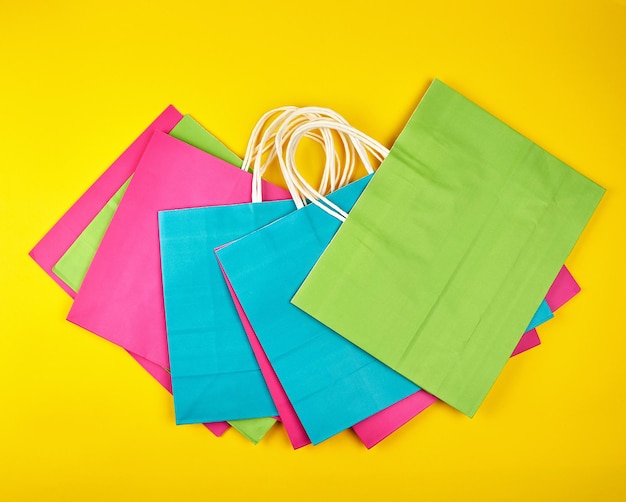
(80, 420)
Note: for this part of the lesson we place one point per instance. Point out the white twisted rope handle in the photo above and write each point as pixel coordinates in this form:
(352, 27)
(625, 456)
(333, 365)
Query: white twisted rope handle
(280, 139)
(361, 143)
(288, 118)
(258, 148)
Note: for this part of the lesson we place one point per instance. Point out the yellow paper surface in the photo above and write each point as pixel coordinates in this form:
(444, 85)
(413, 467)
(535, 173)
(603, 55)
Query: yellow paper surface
(80, 81)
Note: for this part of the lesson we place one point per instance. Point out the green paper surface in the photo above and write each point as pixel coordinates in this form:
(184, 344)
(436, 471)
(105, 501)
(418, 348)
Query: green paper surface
(73, 265)
(253, 429)
(192, 133)
(445, 257)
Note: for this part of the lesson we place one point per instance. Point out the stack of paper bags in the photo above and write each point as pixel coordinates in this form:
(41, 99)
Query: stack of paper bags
(451, 255)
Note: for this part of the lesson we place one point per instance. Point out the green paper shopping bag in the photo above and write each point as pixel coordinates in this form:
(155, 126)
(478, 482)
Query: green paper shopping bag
(450, 249)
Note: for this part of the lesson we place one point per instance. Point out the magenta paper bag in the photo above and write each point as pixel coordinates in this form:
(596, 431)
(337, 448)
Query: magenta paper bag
(374, 429)
(529, 340)
(62, 235)
(562, 290)
(121, 298)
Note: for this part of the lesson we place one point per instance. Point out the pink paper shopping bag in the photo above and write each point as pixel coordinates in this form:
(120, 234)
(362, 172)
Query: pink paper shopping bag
(563, 289)
(121, 298)
(64, 233)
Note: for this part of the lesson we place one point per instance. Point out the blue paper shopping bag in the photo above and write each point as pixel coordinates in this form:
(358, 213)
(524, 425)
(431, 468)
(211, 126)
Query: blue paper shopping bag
(214, 371)
(331, 384)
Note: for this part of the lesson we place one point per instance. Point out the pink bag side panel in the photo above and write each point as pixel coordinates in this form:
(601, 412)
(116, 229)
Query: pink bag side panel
(60, 237)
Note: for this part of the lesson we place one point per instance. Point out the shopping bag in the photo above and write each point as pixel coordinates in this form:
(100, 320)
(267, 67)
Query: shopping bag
(448, 252)
(379, 426)
(330, 383)
(189, 131)
(73, 265)
(67, 249)
(121, 297)
(214, 370)
(307, 358)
